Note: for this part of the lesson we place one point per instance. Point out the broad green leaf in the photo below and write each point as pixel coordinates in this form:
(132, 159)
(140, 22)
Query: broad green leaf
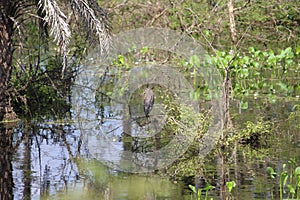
(144, 50)
(291, 189)
(244, 105)
(244, 72)
(297, 171)
(230, 185)
(251, 50)
(298, 50)
(193, 188)
(271, 172)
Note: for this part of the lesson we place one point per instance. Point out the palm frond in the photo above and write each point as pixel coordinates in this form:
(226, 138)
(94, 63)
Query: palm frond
(96, 20)
(59, 28)
(43, 27)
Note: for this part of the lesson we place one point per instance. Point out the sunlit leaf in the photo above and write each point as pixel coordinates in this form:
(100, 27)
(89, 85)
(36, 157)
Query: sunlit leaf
(193, 188)
(244, 105)
(271, 172)
(291, 189)
(297, 171)
(230, 185)
(245, 72)
(298, 50)
(208, 187)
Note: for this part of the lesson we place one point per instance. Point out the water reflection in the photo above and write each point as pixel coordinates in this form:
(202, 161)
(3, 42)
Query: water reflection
(51, 160)
(6, 176)
(102, 183)
(114, 123)
(37, 160)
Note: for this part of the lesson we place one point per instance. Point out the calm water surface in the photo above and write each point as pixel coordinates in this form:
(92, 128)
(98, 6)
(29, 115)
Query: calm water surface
(51, 160)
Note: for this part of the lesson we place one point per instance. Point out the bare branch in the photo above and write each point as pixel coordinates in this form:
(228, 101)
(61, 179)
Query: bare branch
(242, 7)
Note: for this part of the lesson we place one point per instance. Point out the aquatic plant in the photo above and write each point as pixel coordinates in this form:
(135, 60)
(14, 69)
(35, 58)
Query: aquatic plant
(230, 185)
(198, 191)
(289, 180)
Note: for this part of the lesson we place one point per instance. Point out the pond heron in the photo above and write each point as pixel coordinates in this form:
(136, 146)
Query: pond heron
(148, 100)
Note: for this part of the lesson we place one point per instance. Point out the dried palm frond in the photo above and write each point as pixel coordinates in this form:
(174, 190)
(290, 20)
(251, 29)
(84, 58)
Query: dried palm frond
(96, 19)
(59, 28)
(43, 26)
(90, 12)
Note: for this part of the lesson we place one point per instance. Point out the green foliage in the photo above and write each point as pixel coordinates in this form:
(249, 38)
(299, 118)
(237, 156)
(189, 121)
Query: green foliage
(253, 133)
(261, 72)
(270, 24)
(289, 180)
(121, 62)
(271, 172)
(198, 191)
(253, 74)
(39, 91)
(259, 128)
(230, 185)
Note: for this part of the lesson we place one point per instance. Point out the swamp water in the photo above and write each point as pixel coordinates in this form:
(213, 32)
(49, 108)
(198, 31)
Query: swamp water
(54, 160)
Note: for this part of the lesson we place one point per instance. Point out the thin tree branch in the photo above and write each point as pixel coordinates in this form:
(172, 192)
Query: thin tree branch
(242, 7)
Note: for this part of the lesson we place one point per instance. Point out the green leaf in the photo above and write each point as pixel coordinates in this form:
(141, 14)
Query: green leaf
(257, 53)
(271, 172)
(193, 188)
(244, 105)
(288, 62)
(207, 32)
(283, 87)
(251, 50)
(272, 59)
(121, 59)
(144, 50)
(246, 60)
(208, 187)
(297, 171)
(298, 50)
(256, 64)
(291, 189)
(230, 185)
(244, 72)
(228, 58)
(283, 177)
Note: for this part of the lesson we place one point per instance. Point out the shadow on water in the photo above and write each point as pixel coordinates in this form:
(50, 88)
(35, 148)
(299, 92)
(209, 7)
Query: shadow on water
(50, 160)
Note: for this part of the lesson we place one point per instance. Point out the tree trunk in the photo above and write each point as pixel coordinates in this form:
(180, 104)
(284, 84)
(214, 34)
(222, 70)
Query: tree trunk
(227, 81)
(231, 22)
(6, 167)
(227, 97)
(6, 30)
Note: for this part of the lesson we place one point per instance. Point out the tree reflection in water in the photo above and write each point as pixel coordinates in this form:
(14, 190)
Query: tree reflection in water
(6, 149)
(37, 159)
